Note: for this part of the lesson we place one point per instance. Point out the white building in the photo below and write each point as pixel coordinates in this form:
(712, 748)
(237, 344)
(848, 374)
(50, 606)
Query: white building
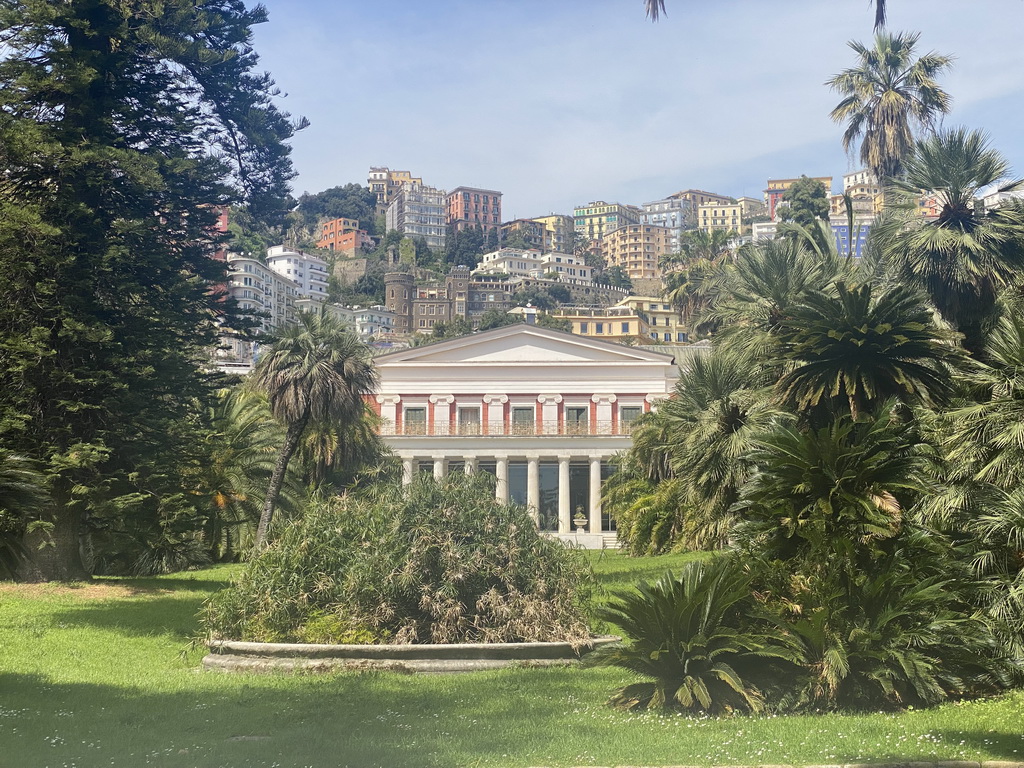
(674, 214)
(376, 322)
(257, 289)
(542, 410)
(307, 271)
(516, 262)
(419, 211)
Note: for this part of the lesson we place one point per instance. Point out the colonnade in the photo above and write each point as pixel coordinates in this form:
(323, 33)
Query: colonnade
(411, 464)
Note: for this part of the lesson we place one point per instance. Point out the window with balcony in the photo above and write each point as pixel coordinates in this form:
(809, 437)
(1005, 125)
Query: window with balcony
(523, 420)
(415, 420)
(469, 421)
(577, 420)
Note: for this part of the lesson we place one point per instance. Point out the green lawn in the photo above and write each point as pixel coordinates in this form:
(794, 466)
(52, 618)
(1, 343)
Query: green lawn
(102, 675)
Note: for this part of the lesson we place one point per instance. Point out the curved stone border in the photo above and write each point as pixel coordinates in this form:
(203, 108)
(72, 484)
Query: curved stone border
(238, 656)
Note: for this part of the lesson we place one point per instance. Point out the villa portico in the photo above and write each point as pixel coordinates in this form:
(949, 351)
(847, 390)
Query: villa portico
(542, 410)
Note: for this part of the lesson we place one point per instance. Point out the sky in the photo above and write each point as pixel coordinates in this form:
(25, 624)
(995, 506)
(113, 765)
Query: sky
(557, 103)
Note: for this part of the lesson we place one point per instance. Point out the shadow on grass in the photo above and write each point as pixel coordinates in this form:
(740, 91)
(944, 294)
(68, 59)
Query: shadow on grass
(156, 615)
(354, 720)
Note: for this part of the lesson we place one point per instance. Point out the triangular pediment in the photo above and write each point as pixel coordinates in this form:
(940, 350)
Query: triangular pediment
(521, 344)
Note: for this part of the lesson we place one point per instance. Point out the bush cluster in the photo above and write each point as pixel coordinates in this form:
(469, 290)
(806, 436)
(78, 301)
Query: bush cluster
(431, 562)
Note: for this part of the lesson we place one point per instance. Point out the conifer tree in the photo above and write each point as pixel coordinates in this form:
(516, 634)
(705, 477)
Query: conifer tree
(124, 125)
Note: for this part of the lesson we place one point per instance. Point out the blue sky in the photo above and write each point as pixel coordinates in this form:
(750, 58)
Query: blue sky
(560, 102)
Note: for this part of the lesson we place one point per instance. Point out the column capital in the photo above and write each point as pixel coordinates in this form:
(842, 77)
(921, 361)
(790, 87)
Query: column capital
(442, 399)
(602, 399)
(389, 399)
(545, 399)
(656, 398)
(495, 399)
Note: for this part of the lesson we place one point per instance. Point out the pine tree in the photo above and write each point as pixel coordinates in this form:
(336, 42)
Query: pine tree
(124, 125)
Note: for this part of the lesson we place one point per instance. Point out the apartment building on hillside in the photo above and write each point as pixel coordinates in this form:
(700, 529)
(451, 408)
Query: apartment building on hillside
(637, 249)
(595, 220)
(419, 211)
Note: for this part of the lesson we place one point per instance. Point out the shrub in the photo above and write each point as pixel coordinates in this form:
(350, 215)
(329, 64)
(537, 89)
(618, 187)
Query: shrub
(687, 634)
(432, 562)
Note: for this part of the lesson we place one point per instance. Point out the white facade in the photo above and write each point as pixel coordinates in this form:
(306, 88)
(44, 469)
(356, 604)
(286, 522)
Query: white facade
(308, 272)
(516, 262)
(544, 411)
(859, 178)
(257, 288)
(673, 214)
(419, 211)
(374, 322)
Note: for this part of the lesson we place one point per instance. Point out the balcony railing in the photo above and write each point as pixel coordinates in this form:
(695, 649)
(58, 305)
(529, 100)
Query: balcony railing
(507, 429)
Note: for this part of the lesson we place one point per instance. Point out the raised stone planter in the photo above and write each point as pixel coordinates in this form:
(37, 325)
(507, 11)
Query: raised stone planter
(237, 656)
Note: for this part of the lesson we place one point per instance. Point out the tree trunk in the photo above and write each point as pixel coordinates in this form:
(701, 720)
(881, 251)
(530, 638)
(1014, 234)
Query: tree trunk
(291, 442)
(54, 554)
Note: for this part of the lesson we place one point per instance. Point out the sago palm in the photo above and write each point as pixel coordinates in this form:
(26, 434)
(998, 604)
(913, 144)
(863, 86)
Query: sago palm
(964, 258)
(886, 96)
(686, 633)
(833, 494)
(317, 371)
(856, 349)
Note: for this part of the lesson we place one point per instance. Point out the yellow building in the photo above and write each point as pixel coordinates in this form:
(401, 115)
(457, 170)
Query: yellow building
(663, 322)
(558, 231)
(385, 183)
(621, 324)
(595, 220)
(727, 217)
(867, 201)
(637, 249)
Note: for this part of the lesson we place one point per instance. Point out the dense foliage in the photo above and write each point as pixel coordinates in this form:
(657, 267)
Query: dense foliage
(123, 127)
(426, 563)
(854, 437)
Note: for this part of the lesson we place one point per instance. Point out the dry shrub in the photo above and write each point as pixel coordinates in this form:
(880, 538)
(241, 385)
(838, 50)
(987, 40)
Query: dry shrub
(432, 562)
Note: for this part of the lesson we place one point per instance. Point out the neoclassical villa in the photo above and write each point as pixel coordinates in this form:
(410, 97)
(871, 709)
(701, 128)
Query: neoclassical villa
(542, 410)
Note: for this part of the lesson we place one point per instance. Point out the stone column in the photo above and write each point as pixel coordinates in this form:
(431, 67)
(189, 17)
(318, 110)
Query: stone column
(501, 472)
(595, 495)
(533, 488)
(440, 467)
(564, 511)
(407, 470)
(470, 466)
(652, 401)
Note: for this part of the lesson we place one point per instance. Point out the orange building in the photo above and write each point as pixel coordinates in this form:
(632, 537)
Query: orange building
(343, 235)
(471, 207)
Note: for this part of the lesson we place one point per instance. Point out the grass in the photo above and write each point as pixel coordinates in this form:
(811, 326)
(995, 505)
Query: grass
(102, 675)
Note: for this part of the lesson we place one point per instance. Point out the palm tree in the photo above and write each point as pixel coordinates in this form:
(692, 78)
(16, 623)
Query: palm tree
(317, 371)
(753, 294)
(964, 258)
(856, 350)
(678, 483)
(885, 96)
(831, 495)
(22, 488)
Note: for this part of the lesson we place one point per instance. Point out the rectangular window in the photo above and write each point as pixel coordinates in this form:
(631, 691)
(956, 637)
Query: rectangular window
(625, 327)
(583, 327)
(628, 415)
(577, 420)
(469, 421)
(598, 327)
(415, 421)
(523, 421)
